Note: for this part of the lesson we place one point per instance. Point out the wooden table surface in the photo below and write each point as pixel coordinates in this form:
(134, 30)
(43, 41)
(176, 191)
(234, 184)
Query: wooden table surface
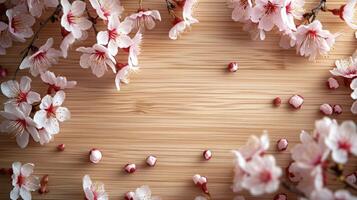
(180, 103)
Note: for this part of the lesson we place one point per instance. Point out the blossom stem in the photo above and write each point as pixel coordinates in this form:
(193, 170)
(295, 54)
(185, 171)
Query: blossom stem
(170, 7)
(30, 46)
(140, 4)
(311, 16)
(292, 189)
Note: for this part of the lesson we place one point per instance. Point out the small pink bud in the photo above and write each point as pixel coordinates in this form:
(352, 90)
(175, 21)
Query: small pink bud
(277, 101)
(296, 101)
(207, 154)
(332, 83)
(196, 178)
(351, 178)
(130, 168)
(201, 182)
(232, 67)
(326, 109)
(291, 176)
(281, 196)
(151, 161)
(337, 109)
(95, 156)
(282, 144)
(129, 196)
(61, 147)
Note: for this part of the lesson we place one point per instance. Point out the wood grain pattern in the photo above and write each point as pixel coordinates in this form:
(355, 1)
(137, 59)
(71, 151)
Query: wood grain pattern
(180, 103)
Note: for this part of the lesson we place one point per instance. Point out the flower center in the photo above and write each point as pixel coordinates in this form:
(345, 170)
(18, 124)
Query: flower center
(112, 34)
(265, 176)
(311, 33)
(288, 8)
(270, 8)
(345, 145)
(22, 97)
(176, 21)
(20, 180)
(51, 111)
(39, 56)
(21, 122)
(70, 18)
(100, 55)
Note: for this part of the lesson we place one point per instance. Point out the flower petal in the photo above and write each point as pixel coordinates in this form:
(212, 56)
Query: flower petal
(22, 139)
(62, 114)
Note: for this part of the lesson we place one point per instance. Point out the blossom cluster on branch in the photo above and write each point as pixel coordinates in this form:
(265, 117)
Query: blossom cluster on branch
(296, 27)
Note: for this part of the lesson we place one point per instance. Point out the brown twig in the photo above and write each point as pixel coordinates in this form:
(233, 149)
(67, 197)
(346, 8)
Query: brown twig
(311, 16)
(30, 46)
(170, 8)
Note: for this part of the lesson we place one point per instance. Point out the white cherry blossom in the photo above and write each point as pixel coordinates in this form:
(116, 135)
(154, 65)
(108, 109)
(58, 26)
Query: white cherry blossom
(347, 13)
(56, 83)
(94, 191)
(135, 50)
(241, 9)
(179, 26)
(45, 136)
(293, 10)
(97, 58)
(122, 75)
(346, 68)
(51, 112)
(107, 8)
(40, 61)
(116, 35)
(20, 94)
(342, 140)
(144, 193)
(187, 12)
(312, 40)
(20, 22)
(19, 124)
(268, 13)
(37, 6)
(255, 146)
(73, 20)
(23, 181)
(263, 175)
(144, 19)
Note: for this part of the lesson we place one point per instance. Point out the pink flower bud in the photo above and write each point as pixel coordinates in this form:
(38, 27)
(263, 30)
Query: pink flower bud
(277, 102)
(207, 154)
(326, 109)
(196, 178)
(95, 156)
(232, 67)
(296, 101)
(129, 196)
(61, 147)
(130, 168)
(281, 196)
(332, 83)
(282, 144)
(151, 161)
(337, 109)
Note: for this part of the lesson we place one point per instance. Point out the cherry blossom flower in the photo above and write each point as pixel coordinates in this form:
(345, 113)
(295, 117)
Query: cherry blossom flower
(144, 193)
(255, 146)
(187, 12)
(312, 40)
(20, 22)
(322, 128)
(40, 61)
(347, 13)
(51, 112)
(18, 123)
(116, 35)
(241, 9)
(97, 58)
(267, 13)
(342, 141)
(134, 50)
(73, 20)
(23, 181)
(36, 6)
(5, 39)
(346, 68)
(122, 75)
(263, 175)
(45, 136)
(107, 8)
(56, 83)
(94, 191)
(20, 94)
(144, 19)
(293, 10)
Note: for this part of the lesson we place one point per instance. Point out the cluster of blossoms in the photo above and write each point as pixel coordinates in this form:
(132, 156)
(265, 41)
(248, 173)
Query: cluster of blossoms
(311, 161)
(296, 27)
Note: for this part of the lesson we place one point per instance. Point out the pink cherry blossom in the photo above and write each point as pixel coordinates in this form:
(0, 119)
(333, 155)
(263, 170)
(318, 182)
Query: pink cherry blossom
(94, 191)
(144, 193)
(144, 19)
(116, 35)
(135, 50)
(23, 181)
(342, 141)
(20, 22)
(347, 13)
(346, 68)
(107, 8)
(267, 13)
(56, 83)
(255, 146)
(51, 112)
(241, 9)
(293, 10)
(37, 6)
(97, 58)
(5, 39)
(263, 175)
(187, 12)
(312, 40)
(73, 20)
(19, 124)
(40, 61)
(20, 94)
(322, 128)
